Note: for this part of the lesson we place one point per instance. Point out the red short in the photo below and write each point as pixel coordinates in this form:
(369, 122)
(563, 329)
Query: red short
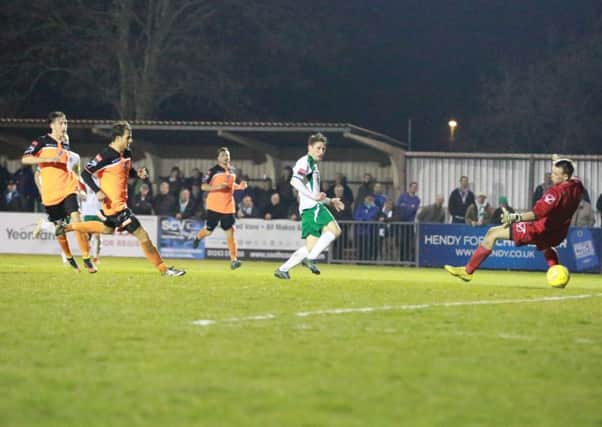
(525, 233)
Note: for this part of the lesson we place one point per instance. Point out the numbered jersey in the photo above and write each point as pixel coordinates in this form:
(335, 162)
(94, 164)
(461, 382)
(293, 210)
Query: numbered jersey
(58, 180)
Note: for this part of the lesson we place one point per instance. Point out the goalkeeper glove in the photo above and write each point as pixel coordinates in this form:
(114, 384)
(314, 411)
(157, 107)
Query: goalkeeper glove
(510, 217)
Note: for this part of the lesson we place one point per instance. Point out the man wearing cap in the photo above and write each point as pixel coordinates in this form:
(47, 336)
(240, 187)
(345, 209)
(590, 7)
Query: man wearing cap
(11, 199)
(478, 213)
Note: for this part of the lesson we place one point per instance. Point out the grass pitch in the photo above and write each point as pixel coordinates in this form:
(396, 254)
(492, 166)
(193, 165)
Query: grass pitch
(377, 346)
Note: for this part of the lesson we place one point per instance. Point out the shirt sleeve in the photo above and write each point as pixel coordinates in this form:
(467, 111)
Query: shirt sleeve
(33, 148)
(95, 164)
(301, 188)
(208, 176)
(546, 203)
(300, 170)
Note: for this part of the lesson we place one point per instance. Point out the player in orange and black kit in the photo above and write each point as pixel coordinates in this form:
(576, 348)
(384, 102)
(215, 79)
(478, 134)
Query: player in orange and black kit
(60, 186)
(220, 184)
(112, 168)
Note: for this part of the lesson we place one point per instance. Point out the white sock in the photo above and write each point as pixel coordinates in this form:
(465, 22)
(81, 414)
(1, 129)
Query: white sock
(294, 259)
(325, 239)
(92, 243)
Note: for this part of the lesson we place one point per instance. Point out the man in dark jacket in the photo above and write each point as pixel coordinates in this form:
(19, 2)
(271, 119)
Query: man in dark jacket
(165, 202)
(185, 207)
(12, 201)
(142, 202)
(459, 200)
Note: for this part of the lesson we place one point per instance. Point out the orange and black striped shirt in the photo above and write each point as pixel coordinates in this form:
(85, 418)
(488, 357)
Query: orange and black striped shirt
(112, 170)
(221, 201)
(57, 180)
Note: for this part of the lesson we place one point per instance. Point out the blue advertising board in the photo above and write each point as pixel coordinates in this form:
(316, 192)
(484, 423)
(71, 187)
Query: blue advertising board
(176, 237)
(441, 244)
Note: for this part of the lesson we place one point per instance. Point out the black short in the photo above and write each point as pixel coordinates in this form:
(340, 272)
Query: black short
(124, 220)
(64, 209)
(225, 220)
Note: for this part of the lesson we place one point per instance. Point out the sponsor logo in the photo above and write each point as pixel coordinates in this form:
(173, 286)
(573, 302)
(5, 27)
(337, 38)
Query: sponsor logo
(27, 234)
(549, 199)
(521, 227)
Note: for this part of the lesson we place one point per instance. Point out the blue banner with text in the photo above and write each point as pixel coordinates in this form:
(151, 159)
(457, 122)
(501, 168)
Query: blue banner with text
(441, 244)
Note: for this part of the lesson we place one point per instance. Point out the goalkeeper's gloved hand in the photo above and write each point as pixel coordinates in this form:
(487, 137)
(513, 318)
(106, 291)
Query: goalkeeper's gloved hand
(510, 217)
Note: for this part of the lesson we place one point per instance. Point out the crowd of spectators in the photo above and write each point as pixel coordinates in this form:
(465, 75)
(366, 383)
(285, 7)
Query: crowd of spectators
(181, 197)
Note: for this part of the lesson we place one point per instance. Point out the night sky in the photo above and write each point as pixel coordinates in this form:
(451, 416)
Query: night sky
(396, 60)
(424, 59)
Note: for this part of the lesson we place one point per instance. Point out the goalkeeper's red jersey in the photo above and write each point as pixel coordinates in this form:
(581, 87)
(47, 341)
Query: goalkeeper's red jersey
(557, 205)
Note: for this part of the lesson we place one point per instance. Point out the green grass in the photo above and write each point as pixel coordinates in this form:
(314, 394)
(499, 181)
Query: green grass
(119, 348)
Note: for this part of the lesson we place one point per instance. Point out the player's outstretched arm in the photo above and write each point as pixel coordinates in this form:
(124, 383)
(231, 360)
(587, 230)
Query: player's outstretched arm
(508, 218)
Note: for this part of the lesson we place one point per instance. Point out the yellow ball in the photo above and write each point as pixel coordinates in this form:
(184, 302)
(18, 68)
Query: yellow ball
(558, 276)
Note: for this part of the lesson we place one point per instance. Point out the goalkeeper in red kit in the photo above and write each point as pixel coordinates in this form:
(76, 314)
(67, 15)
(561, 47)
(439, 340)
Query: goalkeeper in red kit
(545, 226)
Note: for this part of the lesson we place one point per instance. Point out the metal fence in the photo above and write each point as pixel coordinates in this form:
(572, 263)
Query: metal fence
(375, 242)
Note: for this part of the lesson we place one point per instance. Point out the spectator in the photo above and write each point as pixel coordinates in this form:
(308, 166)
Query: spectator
(599, 207)
(165, 202)
(378, 193)
(388, 248)
(261, 194)
(4, 176)
(12, 201)
(366, 187)
(185, 207)
(479, 213)
(407, 207)
(502, 201)
(275, 209)
(240, 194)
(196, 195)
(247, 208)
(134, 184)
(365, 234)
(433, 213)
(142, 202)
(459, 200)
(175, 180)
(584, 215)
(341, 179)
(293, 208)
(344, 214)
(542, 188)
(26, 187)
(283, 186)
(195, 179)
(408, 203)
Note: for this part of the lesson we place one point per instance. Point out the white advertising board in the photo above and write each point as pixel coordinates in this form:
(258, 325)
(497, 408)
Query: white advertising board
(16, 237)
(258, 239)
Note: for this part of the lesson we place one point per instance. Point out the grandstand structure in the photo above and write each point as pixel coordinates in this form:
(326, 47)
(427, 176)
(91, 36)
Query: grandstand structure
(259, 149)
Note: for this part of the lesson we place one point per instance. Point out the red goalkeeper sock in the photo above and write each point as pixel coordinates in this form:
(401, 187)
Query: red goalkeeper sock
(551, 256)
(477, 258)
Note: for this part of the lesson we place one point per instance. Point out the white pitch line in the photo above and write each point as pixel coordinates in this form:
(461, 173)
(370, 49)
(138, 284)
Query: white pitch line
(406, 307)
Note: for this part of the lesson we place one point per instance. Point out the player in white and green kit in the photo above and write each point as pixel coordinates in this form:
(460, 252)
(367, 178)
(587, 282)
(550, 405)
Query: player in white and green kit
(318, 226)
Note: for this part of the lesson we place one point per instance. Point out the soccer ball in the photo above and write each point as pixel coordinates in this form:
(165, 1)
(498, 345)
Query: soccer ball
(558, 276)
